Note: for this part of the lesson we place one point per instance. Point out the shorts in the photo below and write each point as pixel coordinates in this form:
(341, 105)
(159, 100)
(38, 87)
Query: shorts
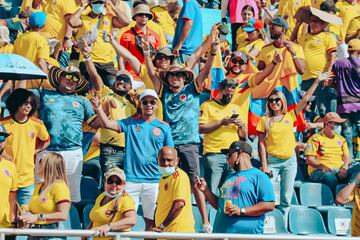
(106, 71)
(189, 159)
(146, 193)
(73, 164)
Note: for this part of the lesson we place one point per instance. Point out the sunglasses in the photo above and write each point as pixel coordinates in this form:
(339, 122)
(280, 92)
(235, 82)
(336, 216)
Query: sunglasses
(230, 85)
(146, 102)
(234, 61)
(123, 78)
(335, 123)
(117, 181)
(274, 100)
(142, 15)
(176, 74)
(71, 77)
(162, 57)
(230, 153)
(98, 2)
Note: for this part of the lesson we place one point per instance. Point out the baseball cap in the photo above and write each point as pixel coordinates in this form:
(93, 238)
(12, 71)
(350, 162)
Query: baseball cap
(354, 44)
(238, 146)
(37, 20)
(3, 133)
(148, 92)
(223, 27)
(240, 55)
(115, 172)
(333, 117)
(328, 6)
(302, 94)
(280, 22)
(252, 25)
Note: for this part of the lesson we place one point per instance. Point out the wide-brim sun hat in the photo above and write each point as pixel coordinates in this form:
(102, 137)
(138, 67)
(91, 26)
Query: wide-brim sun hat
(167, 52)
(55, 73)
(144, 9)
(176, 68)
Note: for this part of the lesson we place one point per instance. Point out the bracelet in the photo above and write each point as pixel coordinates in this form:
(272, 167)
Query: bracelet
(147, 53)
(109, 226)
(273, 62)
(87, 58)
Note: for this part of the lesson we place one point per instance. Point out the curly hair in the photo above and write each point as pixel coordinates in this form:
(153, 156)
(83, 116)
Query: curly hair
(18, 97)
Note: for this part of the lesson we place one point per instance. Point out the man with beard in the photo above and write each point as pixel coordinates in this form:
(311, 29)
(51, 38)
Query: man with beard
(278, 29)
(8, 182)
(118, 104)
(221, 123)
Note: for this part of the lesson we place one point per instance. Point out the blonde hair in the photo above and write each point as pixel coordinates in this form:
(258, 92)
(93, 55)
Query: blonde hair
(270, 113)
(53, 167)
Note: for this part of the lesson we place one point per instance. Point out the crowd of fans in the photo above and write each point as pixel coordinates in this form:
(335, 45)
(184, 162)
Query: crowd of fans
(140, 98)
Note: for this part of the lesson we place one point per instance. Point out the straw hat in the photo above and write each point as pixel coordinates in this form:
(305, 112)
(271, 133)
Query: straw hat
(177, 68)
(55, 72)
(142, 8)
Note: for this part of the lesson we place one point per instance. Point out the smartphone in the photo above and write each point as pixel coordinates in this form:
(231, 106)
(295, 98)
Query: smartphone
(235, 115)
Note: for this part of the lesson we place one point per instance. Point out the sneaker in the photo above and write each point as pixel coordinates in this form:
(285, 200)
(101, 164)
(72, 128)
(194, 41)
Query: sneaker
(207, 228)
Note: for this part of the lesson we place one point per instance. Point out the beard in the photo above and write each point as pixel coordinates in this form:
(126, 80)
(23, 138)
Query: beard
(275, 36)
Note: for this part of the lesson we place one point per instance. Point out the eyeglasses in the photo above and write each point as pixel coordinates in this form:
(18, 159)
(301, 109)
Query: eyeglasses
(176, 74)
(71, 77)
(234, 61)
(274, 100)
(146, 102)
(117, 181)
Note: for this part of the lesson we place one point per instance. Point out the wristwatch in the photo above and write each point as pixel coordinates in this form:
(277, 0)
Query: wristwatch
(66, 38)
(242, 211)
(41, 217)
(161, 226)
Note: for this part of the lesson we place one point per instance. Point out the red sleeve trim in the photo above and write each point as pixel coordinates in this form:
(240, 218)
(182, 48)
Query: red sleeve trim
(129, 210)
(331, 50)
(180, 200)
(63, 201)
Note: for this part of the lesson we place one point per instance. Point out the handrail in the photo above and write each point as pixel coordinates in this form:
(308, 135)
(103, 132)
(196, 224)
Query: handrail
(171, 235)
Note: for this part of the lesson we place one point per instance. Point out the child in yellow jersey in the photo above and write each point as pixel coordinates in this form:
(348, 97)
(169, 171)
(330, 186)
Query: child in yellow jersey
(351, 194)
(50, 203)
(114, 209)
(277, 141)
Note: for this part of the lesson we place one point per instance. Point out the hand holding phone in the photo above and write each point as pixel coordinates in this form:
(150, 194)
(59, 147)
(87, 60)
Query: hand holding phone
(235, 115)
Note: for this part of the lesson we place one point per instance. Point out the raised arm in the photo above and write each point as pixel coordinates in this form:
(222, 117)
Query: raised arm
(75, 19)
(104, 120)
(321, 77)
(120, 20)
(261, 76)
(150, 66)
(188, 24)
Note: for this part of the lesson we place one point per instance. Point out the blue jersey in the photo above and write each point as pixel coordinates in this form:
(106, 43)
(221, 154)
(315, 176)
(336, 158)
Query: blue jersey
(243, 189)
(143, 140)
(63, 116)
(181, 111)
(190, 10)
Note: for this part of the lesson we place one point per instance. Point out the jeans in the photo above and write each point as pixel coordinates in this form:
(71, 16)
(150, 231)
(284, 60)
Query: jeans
(353, 121)
(287, 169)
(24, 194)
(111, 156)
(46, 226)
(329, 178)
(234, 29)
(216, 170)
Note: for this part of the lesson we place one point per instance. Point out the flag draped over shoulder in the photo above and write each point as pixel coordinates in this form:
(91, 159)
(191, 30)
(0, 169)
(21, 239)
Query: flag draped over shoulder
(217, 74)
(283, 78)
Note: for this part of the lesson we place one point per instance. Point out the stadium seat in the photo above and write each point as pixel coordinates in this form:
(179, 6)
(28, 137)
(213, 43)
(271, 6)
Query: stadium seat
(139, 226)
(316, 195)
(89, 190)
(276, 187)
(86, 215)
(198, 219)
(303, 221)
(212, 215)
(339, 221)
(274, 223)
(73, 222)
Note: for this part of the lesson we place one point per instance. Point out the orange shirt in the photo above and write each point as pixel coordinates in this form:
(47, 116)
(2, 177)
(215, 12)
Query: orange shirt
(128, 40)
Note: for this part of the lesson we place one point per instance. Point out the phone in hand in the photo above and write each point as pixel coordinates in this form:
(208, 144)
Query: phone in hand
(235, 115)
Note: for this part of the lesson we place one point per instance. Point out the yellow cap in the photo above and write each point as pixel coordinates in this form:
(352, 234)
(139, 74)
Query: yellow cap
(354, 44)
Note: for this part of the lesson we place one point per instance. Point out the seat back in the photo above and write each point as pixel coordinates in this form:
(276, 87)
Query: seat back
(89, 190)
(274, 222)
(315, 195)
(303, 220)
(86, 215)
(198, 219)
(339, 221)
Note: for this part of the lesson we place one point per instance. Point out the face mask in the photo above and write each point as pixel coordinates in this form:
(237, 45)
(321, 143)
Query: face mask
(112, 195)
(337, 129)
(97, 8)
(166, 171)
(222, 38)
(226, 99)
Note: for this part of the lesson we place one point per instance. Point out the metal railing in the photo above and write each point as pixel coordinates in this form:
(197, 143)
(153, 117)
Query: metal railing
(168, 235)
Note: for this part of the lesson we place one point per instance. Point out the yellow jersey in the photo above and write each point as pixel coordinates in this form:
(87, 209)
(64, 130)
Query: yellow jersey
(32, 45)
(56, 11)
(280, 139)
(45, 200)
(21, 144)
(328, 151)
(7, 48)
(8, 183)
(241, 37)
(102, 214)
(175, 187)
(211, 111)
(164, 20)
(355, 221)
(354, 26)
(316, 49)
(267, 53)
(347, 13)
(257, 44)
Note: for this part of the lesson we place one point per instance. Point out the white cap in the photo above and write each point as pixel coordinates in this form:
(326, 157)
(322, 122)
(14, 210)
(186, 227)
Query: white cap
(148, 92)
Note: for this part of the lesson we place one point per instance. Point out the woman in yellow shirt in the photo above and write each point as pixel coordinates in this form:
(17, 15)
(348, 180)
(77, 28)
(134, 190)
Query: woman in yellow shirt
(50, 203)
(277, 141)
(114, 209)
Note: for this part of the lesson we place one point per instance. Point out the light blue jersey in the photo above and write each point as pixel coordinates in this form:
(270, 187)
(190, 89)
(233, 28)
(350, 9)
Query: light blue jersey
(143, 141)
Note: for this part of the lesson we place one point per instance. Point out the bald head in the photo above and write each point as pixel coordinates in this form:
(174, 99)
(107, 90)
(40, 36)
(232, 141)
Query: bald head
(168, 157)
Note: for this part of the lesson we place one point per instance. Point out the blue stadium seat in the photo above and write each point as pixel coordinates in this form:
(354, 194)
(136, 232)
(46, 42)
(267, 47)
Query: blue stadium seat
(339, 221)
(303, 221)
(139, 226)
(274, 223)
(86, 215)
(89, 190)
(73, 222)
(316, 195)
(276, 187)
(198, 219)
(212, 215)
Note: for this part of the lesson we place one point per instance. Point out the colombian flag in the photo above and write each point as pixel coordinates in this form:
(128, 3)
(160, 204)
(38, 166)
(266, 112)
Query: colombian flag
(217, 74)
